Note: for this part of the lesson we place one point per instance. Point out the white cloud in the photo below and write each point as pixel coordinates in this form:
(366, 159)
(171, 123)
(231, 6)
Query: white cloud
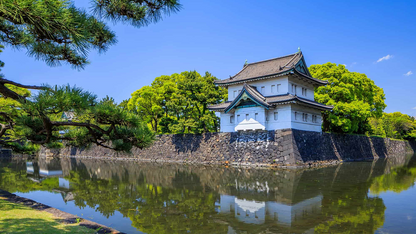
(414, 108)
(409, 73)
(353, 64)
(387, 57)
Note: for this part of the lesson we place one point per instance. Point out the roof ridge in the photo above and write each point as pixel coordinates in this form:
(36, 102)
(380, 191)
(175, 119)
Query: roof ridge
(256, 92)
(231, 77)
(293, 58)
(267, 60)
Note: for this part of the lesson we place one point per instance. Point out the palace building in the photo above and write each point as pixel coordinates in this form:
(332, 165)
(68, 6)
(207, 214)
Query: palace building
(271, 94)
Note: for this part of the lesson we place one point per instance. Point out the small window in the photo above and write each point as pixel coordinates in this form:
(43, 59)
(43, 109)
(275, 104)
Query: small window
(247, 116)
(304, 92)
(263, 89)
(232, 119)
(273, 89)
(239, 91)
(294, 87)
(238, 118)
(235, 93)
(276, 116)
(278, 88)
(314, 119)
(296, 115)
(256, 116)
(305, 117)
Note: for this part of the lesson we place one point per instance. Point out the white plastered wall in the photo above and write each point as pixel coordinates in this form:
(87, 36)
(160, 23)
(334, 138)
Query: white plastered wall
(226, 125)
(283, 117)
(299, 85)
(299, 123)
(240, 115)
(281, 81)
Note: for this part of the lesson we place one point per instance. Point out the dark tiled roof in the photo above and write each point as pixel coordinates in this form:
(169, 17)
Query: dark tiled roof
(272, 100)
(269, 68)
(251, 92)
(289, 98)
(303, 75)
(220, 106)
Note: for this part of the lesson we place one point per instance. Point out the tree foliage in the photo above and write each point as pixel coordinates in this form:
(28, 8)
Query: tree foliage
(178, 103)
(55, 31)
(398, 180)
(394, 125)
(355, 98)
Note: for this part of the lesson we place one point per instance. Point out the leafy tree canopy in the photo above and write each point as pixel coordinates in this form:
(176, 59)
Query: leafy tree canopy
(355, 98)
(394, 125)
(178, 103)
(55, 31)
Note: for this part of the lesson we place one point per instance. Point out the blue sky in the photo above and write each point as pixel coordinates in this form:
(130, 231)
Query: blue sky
(218, 36)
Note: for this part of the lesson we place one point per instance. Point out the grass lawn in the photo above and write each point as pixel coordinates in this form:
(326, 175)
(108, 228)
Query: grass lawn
(16, 218)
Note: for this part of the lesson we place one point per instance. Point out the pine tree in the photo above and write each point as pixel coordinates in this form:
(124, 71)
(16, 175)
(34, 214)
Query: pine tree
(55, 31)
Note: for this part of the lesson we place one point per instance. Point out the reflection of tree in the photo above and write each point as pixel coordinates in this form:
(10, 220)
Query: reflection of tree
(346, 204)
(13, 178)
(152, 209)
(398, 180)
(172, 198)
(353, 215)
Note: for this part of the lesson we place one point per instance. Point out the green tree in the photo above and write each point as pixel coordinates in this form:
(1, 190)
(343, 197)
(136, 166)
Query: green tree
(55, 31)
(394, 125)
(178, 103)
(355, 98)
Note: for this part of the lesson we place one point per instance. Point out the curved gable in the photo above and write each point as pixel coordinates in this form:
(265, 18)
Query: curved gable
(248, 97)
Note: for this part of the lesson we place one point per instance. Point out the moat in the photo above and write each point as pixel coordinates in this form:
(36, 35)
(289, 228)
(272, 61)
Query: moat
(132, 197)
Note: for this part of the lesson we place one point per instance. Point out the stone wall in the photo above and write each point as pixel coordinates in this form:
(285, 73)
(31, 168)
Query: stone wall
(5, 153)
(283, 147)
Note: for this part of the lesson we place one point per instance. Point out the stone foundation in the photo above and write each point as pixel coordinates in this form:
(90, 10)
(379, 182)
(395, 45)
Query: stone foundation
(282, 147)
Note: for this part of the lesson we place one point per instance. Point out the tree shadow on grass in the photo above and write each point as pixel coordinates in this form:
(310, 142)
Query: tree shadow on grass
(6, 206)
(29, 225)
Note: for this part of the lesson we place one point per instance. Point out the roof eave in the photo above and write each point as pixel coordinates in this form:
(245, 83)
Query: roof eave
(318, 82)
(252, 79)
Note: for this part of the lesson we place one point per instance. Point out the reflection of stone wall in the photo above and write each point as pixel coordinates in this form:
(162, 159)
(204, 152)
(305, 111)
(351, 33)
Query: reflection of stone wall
(286, 186)
(6, 153)
(264, 147)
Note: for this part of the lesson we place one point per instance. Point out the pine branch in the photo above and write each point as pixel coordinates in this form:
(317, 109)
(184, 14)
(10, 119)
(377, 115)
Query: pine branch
(5, 81)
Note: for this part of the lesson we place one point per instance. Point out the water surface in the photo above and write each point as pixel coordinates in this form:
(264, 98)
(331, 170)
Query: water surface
(359, 197)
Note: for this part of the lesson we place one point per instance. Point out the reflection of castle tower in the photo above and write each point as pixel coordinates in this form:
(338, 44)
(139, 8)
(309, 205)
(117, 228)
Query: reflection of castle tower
(46, 168)
(29, 168)
(63, 183)
(258, 212)
(278, 199)
(50, 167)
